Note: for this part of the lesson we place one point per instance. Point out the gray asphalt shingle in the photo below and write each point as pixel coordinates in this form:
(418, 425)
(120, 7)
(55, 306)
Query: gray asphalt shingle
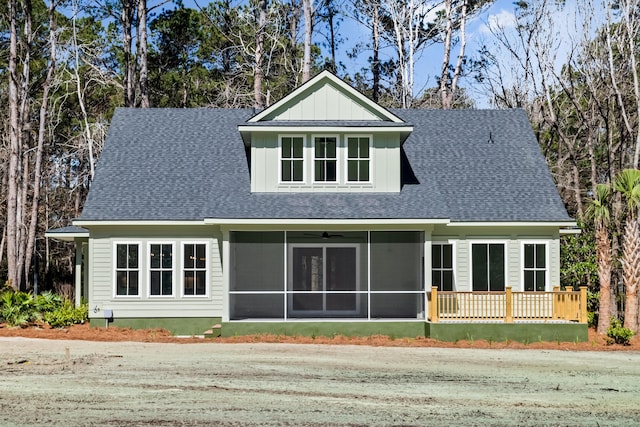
(190, 164)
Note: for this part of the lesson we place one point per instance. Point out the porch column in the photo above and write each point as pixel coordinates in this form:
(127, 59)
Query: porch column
(428, 279)
(226, 273)
(78, 273)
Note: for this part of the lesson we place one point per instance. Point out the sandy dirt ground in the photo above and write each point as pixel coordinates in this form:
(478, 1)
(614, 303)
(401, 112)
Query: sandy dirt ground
(88, 383)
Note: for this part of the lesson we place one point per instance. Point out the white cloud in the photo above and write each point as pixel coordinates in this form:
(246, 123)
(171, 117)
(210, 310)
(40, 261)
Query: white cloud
(498, 22)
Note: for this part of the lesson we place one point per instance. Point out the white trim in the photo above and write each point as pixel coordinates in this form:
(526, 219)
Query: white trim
(137, 222)
(326, 75)
(512, 224)
(304, 158)
(324, 222)
(207, 268)
(114, 269)
(568, 231)
(174, 254)
(505, 252)
(547, 269)
(66, 237)
(322, 129)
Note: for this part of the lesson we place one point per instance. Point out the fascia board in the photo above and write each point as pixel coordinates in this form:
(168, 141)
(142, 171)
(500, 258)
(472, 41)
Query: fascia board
(338, 129)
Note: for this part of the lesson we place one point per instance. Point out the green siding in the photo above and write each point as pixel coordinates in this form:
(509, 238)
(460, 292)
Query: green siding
(522, 332)
(175, 325)
(327, 329)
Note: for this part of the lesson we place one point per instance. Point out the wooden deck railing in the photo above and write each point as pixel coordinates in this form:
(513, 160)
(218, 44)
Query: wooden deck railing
(508, 306)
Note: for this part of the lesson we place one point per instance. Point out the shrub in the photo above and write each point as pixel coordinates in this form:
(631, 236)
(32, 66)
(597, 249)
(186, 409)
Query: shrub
(617, 333)
(66, 315)
(16, 308)
(48, 301)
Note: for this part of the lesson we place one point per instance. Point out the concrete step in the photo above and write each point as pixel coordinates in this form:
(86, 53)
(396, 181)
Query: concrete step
(214, 332)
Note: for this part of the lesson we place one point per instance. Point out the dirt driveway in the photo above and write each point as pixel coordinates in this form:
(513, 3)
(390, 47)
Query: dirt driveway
(81, 383)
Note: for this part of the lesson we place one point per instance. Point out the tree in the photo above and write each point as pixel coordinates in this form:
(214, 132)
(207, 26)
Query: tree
(599, 211)
(628, 184)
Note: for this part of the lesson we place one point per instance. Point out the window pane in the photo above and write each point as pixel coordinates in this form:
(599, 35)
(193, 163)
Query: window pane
(352, 170)
(201, 256)
(167, 256)
(286, 147)
(189, 277)
(528, 281)
(155, 283)
(297, 170)
(286, 170)
(352, 148)
(201, 283)
(528, 256)
(447, 256)
(436, 256)
(167, 282)
(364, 170)
(496, 267)
(319, 170)
(540, 256)
(121, 256)
(447, 281)
(331, 148)
(436, 279)
(133, 283)
(189, 256)
(480, 267)
(364, 148)
(154, 256)
(121, 283)
(319, 148)
(133, 256)
(331, 170)
(540, 282)
(297, 148)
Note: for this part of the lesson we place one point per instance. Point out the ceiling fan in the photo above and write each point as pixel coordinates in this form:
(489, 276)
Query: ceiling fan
(325, 235)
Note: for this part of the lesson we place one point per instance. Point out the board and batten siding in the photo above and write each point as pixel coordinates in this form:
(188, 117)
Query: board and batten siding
(325, 102)
(102, 277)
(513, 238)
(265, 165)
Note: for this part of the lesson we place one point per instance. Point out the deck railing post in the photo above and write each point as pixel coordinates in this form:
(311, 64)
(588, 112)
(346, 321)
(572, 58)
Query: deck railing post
(508, 315)
(583, 304)
(433, 305)
(556, 303)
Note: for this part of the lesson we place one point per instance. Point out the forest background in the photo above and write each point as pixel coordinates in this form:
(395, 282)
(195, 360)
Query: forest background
(571, 65)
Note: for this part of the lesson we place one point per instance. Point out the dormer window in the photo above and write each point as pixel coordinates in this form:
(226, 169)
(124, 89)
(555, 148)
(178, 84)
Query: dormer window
(325, 158)
(292, 159)
(358, 159)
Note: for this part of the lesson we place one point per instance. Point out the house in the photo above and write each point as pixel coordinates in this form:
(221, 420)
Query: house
(325, 214)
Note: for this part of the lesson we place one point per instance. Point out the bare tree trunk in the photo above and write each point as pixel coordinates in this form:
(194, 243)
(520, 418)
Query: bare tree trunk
(448, 35)
(258, 71)
(127, 17)
(46, 86)
(375, 65)
(14, 151)
(307, 7)
(458, 70)
(142, 53)
(604, 275)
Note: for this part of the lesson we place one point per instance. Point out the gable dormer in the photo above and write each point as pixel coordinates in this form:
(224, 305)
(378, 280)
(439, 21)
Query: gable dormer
(325, 137)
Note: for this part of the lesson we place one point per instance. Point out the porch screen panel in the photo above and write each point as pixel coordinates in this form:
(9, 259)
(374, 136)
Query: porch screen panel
(257, 274)
(397, 275)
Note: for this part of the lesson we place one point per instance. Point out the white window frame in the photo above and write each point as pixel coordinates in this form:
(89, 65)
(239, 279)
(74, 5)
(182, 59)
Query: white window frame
(505, 251)
(339, 175)
(454, 259)
(173, 269)
(546, 263)
(206, 269)
(115, 269)
(304, 159)
(346, 158)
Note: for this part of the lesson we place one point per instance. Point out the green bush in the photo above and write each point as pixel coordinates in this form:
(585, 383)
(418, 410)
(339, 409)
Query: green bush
(66, 315)
(16, 308)
(617, 333)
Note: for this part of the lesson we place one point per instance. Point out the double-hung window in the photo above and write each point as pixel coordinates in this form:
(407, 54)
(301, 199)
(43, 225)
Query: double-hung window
(358, 159)
(325, 158)
(194, 269)
(291, 159)
(535, 266)
(127, 271)
(161, 269)
(442, 266)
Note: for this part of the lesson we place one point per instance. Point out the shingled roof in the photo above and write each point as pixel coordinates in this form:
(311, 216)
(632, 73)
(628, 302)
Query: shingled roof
(190, 164)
